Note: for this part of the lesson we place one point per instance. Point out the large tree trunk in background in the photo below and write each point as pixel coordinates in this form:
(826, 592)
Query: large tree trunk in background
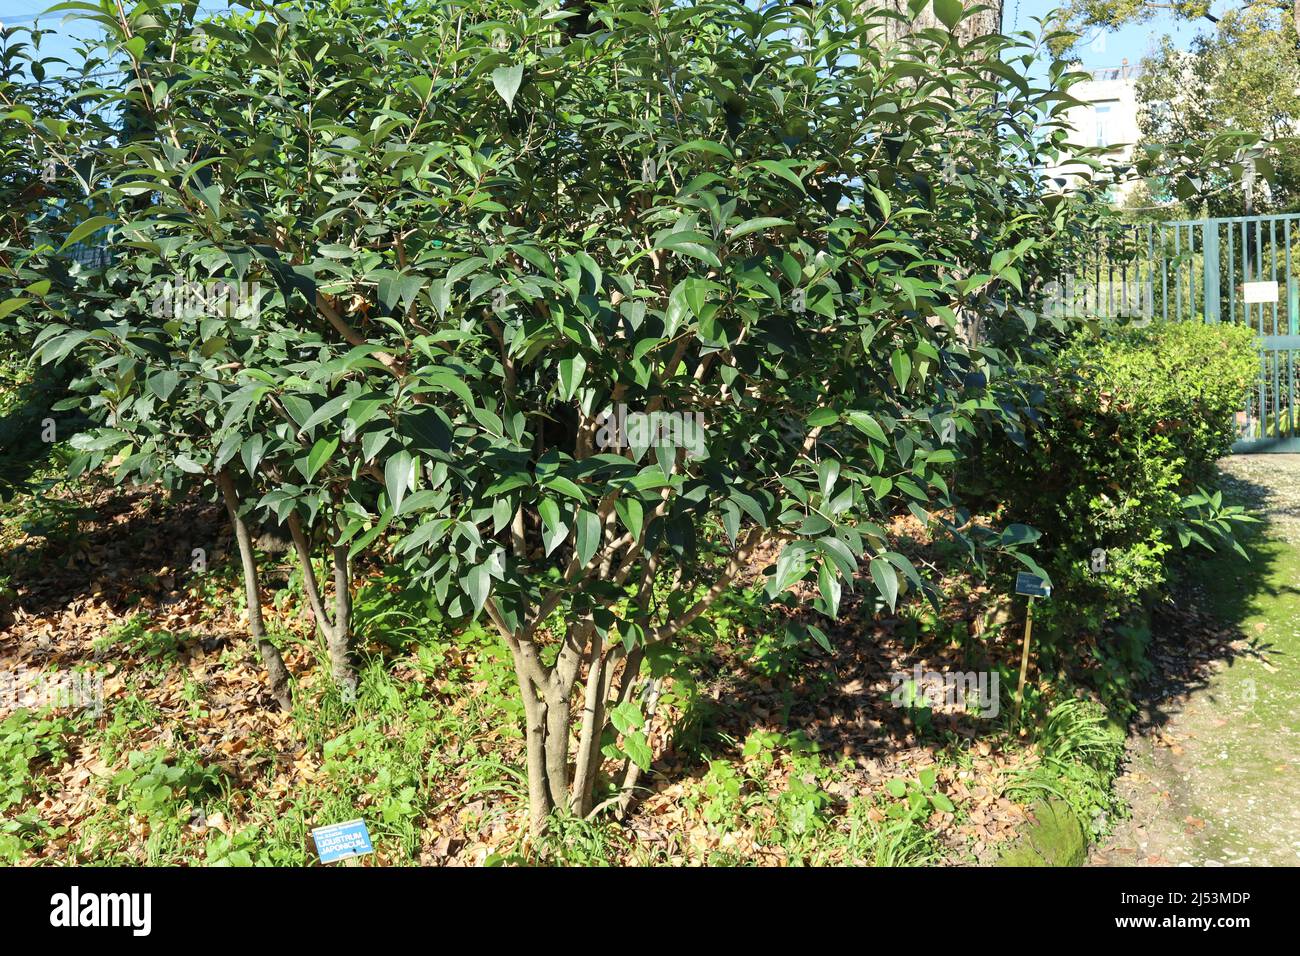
(984, 22)
(977, 25)
(277, 675)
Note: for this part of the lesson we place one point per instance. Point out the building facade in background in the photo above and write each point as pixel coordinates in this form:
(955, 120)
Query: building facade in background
(1108, 119)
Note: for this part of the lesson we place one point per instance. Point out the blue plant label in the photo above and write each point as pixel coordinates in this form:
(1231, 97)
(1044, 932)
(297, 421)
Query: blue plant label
(342, 840)
(1032, 585)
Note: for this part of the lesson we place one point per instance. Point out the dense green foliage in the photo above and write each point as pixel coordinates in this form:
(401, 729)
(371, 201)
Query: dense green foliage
(1243, 76)
(383, 272)
(462, 235)
(27, 189)
(1116, 471)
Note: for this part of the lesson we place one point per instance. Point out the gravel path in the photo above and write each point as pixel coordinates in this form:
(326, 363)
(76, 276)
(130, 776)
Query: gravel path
(1211, 769)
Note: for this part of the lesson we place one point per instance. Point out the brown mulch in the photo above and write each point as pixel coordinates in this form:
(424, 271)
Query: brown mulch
(132, 553)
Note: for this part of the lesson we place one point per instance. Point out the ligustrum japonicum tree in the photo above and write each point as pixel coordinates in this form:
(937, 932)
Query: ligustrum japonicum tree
(584, 321)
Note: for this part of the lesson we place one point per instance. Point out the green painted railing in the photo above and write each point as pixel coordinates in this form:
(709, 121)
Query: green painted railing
(1237, 269)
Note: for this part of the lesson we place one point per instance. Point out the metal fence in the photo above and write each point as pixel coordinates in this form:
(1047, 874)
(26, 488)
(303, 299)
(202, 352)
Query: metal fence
(1235, 270)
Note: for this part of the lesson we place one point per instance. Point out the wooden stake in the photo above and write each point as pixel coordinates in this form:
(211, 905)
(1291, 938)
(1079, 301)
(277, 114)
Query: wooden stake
(1024, 660)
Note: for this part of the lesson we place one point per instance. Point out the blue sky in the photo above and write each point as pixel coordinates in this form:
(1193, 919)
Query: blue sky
(62, 42)
(1113, 47)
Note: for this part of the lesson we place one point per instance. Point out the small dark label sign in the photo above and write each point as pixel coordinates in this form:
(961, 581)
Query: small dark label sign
(1032, 585)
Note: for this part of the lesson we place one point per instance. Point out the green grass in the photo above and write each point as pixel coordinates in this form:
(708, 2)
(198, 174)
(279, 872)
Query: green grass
(431, 748)
(1079, 748)
(30, 744)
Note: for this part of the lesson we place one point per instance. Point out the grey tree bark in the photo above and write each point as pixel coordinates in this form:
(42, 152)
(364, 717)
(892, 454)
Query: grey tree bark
(978, 24)
(337, 631)
(277, 675)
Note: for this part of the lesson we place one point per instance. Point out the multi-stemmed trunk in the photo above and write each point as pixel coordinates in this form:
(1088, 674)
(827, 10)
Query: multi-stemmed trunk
(335, 628)
(560, 776)
(277, 675)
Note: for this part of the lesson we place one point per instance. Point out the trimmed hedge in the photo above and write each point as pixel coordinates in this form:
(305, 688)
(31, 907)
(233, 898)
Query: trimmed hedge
(1125, 442)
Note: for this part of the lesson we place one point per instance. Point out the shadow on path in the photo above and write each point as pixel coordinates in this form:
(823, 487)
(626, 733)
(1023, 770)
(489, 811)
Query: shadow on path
(1218, 741)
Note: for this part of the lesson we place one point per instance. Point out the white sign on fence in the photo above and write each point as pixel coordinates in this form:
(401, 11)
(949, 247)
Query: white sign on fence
(1260, 292)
